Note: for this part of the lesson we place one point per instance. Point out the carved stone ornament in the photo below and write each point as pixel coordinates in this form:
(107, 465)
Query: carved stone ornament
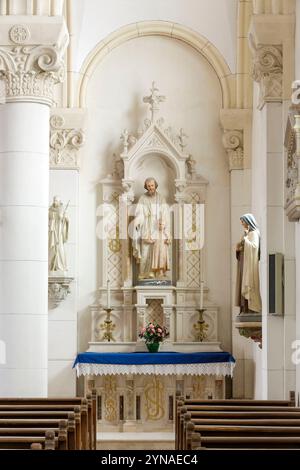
(180, 186)
(64, 144)
(268, 71)
(58, 289)
(292, 144)
(292, 169)
(191, 167)
(234, 146)
(250, 329)
(19, 34)
(56, 121)
(154, 99)
(161, 133)
(29, 73)
(128, 194)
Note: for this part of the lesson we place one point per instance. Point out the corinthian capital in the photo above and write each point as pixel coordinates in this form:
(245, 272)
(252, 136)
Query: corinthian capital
(29, 71)
(268, 72)
(234, 146)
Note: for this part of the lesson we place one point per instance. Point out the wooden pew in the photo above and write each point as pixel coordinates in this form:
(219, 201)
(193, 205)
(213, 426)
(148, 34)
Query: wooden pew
(255, 420)
(227, 405)
(48, 442)
(237, 401)
(228, 408)
(38, 427)
(246, 443)
(70, 437)
(89, 411)
(255, 415)
(240, 402)
(237, 431)
(77, 416)
(238, 412)
(32, 433)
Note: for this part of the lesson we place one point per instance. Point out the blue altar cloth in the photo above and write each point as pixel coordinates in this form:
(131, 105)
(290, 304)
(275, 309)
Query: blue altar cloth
(140, 358)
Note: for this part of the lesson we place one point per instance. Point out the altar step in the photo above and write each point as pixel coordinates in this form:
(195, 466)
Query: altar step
(135, 441)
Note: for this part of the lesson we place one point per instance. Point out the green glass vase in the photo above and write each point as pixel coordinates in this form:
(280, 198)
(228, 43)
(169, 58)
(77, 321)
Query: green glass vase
(152, 347)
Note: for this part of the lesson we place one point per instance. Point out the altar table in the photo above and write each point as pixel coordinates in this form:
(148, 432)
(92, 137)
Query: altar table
(160, 363)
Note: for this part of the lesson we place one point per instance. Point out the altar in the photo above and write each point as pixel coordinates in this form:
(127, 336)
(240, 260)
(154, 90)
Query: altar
(152, 269)
(136, 391)
(161, 363)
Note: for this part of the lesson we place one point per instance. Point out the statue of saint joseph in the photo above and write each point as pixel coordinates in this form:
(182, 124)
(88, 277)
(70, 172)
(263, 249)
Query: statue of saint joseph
(151, 238)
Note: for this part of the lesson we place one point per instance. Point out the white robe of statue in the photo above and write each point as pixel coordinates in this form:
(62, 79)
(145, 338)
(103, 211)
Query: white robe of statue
(151, 236)
(248, 276)
(58, 236)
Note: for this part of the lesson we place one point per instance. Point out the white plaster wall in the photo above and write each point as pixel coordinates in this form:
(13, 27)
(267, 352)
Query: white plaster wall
(95, 19)
(274, 373)
(259, 204)
(241, 347)
(114, 101)
(62, 321)
(258, 383)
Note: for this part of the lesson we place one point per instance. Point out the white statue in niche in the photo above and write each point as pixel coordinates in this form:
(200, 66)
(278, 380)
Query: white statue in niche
(57, 235)
(151, 237)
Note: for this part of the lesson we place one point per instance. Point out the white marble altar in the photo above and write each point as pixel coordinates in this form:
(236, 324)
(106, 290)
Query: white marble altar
(153, 149)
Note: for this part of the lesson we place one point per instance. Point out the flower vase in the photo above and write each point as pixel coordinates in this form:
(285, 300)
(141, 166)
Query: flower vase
(153, 347)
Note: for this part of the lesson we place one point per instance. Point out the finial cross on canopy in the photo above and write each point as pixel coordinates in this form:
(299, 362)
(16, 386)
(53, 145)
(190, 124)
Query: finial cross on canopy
(154, 99)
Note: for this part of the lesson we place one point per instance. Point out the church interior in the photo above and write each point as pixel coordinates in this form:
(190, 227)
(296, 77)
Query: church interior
(149, 224)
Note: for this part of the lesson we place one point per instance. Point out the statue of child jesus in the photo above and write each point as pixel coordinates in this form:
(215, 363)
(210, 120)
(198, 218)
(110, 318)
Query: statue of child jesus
(160, 254)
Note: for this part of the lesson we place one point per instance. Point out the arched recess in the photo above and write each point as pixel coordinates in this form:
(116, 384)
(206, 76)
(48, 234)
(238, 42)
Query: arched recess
(159, 28)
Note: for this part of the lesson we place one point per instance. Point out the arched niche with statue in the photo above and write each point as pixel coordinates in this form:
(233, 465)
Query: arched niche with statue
(154, 150)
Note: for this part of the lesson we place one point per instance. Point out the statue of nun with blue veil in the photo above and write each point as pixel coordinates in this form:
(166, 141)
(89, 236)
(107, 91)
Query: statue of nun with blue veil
(248, 255)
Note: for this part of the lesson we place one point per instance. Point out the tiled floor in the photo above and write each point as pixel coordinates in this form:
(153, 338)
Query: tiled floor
(135, 441)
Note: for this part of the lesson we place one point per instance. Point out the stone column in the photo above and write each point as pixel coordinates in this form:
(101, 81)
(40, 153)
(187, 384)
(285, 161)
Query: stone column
(126, 212)
(169, 323)
(30, 65)
(141, 311)
(129, 424)
(272, 44)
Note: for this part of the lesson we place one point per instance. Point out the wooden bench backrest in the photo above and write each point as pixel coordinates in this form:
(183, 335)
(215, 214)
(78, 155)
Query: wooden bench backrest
(87, 405)
(48, 442)
(248, 442)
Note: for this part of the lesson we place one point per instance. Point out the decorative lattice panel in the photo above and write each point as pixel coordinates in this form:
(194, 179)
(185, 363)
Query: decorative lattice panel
(193, 268)
(192, 222)
(154, 311)
(114, 258)
(115, 269)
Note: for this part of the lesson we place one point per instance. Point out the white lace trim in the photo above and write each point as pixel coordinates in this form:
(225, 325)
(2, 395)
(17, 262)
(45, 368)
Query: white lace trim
(213, 368)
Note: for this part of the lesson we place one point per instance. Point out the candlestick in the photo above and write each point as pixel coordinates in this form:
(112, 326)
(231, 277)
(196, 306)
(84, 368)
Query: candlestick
(108, 293)
(107, 327)
(201, 295)
(200, 327)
